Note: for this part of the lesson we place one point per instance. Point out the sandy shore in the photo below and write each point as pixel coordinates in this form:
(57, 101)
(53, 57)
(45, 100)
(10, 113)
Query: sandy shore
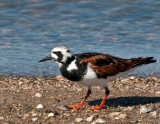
(43, 100)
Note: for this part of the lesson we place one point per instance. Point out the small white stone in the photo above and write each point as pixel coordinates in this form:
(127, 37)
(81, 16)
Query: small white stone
(34, 119)
(1, 118)
(114, 114)
(89, 119)
(78, 120)
(51, 114)
(154, 114)
(34, 114)
(132, 77)
(123, 116)
(40, 106)
(143, 109)
(93, 123)
(100, 121)
(63, 107)
(38, 95)
(125, 80)
(158, 93)
(128, 108)
(116, 118)
(20, 82)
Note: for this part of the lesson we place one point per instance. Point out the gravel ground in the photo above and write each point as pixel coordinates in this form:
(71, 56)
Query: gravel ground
(27, 100)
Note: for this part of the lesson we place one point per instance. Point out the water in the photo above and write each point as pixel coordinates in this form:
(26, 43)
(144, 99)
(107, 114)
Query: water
(29, 29)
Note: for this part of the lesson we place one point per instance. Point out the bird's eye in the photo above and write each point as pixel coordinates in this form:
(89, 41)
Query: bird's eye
(57, 53)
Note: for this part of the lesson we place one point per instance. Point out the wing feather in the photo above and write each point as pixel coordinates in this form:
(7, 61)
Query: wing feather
(106, 65)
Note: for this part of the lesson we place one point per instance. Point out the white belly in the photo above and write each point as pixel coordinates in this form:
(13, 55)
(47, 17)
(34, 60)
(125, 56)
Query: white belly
(91, 79)
(93, 82)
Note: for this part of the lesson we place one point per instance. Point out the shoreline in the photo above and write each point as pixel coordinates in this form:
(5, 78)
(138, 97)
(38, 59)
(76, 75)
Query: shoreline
(44, 99)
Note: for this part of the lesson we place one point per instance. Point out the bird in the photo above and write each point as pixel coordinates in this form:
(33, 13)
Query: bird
(93, 69)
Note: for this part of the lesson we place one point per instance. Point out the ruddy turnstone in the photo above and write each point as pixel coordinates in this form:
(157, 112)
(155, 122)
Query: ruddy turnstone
(93, 69)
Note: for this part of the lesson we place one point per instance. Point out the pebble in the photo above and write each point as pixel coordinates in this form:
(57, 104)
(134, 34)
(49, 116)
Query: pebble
(59, 77)
(63, 107)
(132, 77)
(89, 119)
(128, 108)
(34, 114)
(151, 108)
(40, 106)
(117, 115)
(38, 95)
(25, 116)
(122, 116)
(155, 78)
(51, 97)
(34, 119)
(95, 115)
(154, 114)
(1, 118)
(67, 114)
(100, 121)
(74, 114)
(134, 121)
(93, 123)
(20, 82)
(125, 80)
(78, 120)
(51, 114)
(116, 118)
(158, 93)
(144, 109)
(114, 114)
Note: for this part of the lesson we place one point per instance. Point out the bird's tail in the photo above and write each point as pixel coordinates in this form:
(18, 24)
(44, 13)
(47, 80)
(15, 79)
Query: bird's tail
(143, 61)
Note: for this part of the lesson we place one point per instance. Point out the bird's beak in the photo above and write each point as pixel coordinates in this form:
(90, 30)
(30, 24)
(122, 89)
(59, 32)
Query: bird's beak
(49, 57)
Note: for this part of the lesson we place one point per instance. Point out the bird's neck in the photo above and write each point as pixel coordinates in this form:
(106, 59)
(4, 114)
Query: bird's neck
(72, 69)
(67, 62)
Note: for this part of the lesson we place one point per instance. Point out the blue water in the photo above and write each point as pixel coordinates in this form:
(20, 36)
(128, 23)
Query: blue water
(29, 29)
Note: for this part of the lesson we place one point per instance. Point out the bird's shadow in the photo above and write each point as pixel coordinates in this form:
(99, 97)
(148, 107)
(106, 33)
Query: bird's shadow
(126, 101)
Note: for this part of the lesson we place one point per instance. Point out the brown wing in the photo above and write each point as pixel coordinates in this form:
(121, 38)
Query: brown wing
(106, 65)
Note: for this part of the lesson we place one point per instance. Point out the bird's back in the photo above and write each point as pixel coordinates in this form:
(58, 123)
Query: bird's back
(106, 65)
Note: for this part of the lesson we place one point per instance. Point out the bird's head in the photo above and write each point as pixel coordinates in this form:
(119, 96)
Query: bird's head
(59, 54)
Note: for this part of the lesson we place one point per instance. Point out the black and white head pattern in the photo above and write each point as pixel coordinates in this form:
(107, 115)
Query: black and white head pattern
(61, 54)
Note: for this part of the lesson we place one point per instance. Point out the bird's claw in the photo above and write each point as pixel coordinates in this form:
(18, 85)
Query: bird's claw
(76, 106)
(95, 108)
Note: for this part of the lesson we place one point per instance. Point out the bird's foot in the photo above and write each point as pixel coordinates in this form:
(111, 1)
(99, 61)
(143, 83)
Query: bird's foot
(96, 108)
(76, 106)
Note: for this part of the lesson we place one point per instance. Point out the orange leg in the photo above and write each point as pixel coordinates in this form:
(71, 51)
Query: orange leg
(82, 102)
(103, 101)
